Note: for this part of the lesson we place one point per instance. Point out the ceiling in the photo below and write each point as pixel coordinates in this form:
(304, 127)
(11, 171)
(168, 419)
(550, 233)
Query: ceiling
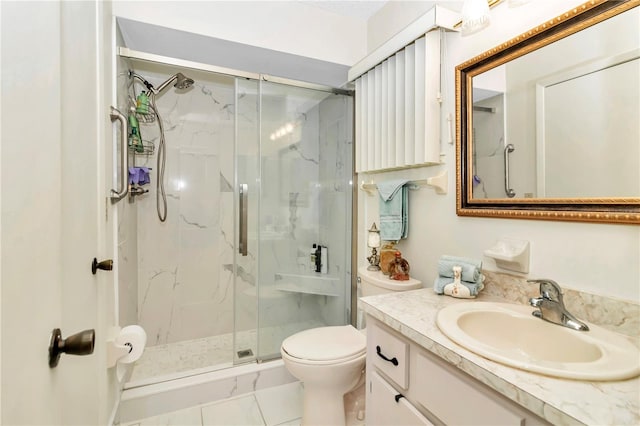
(362, 9)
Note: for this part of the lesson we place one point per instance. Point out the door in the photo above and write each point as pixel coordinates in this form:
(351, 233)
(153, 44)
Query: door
(53, 210)
(246, 235)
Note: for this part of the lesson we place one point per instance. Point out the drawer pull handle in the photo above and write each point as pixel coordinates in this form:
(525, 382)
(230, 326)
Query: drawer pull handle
(398, 396)
(393, 360)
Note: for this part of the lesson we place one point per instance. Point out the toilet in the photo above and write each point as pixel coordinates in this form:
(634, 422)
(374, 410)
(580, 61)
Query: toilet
(330, 360)
(375, 282)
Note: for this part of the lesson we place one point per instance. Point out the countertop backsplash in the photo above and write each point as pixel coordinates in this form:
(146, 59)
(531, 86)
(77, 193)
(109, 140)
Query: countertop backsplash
(621, 316)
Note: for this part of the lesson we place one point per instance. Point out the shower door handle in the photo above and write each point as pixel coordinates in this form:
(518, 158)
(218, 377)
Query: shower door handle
(509, 191)
(117, 195)
(244, 211)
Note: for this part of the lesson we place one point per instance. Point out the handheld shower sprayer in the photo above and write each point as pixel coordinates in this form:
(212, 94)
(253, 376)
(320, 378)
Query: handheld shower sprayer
(148, 85)
(181, 82)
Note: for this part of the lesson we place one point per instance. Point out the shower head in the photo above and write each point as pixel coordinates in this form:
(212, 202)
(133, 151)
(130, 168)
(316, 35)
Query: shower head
(182, 82)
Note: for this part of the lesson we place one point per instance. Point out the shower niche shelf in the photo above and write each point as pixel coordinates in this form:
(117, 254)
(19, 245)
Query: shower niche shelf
(308, 283)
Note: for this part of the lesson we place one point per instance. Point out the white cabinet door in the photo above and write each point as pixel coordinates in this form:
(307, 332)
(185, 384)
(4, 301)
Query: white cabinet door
(456, 399)
(384, 407)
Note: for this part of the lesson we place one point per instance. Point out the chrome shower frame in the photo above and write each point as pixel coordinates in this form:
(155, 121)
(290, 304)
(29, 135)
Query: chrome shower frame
(125, 52)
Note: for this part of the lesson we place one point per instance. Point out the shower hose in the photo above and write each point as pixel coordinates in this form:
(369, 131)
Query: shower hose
(161, 196)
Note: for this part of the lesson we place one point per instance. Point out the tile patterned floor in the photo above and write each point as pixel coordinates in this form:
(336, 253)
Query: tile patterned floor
(276, 406)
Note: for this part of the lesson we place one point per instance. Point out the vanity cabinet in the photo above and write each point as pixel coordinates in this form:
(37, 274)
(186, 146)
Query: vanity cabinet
(408, 385)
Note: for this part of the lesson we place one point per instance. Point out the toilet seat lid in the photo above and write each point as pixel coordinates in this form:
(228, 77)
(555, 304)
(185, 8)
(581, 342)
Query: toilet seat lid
(326, 343)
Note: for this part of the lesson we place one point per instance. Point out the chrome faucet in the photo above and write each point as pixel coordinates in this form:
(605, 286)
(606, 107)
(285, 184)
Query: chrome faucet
(551, 307)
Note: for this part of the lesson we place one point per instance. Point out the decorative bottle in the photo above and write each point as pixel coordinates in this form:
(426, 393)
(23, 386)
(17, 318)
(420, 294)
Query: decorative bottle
(387, 256)
(399, 269)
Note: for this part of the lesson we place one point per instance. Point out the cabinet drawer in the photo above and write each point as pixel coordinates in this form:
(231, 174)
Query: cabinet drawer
(382, 408)
(390, 355)
(456, 399)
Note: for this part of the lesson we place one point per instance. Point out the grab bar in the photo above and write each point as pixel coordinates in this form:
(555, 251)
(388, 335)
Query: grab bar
(244, 210)
(507, 150)
(117, 195)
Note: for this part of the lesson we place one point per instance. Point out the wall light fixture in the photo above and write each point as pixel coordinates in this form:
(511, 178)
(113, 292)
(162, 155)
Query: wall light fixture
(475, 16)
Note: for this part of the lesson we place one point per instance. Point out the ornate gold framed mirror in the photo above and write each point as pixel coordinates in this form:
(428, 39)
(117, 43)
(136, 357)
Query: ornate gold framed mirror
(548, 123)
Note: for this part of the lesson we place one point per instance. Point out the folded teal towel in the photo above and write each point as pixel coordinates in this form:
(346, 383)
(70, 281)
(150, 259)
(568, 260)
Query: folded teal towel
(476, 263)
(394, 210)
(441, 282)
(471, 268)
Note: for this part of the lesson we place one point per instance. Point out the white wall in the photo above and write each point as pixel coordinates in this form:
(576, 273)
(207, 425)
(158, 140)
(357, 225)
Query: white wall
(597, 258)
(286, 26)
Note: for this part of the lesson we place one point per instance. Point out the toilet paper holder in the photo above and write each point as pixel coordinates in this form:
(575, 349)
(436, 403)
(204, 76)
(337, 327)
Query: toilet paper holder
(116, 352)
(126, 346)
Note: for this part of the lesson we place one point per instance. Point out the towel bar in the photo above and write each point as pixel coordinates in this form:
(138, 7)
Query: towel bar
(438, 182)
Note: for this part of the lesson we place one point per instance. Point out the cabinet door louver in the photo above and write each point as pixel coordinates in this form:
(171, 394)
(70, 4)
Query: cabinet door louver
(398, 109)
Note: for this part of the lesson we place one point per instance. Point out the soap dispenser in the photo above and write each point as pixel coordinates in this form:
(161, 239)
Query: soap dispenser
(313, 257)
(135, 140)
(318, 264)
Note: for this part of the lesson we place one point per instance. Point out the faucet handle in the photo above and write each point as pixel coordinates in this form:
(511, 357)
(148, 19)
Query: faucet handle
(549, 289)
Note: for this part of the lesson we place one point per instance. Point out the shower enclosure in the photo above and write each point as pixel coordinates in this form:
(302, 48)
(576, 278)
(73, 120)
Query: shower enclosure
(256, 173)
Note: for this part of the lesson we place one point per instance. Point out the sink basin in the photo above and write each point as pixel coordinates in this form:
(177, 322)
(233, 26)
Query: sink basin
(509, 334)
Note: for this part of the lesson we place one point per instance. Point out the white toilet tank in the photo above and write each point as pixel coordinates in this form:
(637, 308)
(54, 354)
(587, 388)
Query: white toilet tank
(375, 282)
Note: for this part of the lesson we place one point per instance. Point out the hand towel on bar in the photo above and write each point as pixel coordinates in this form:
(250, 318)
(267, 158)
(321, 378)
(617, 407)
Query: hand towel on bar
(470, 268)
(394, 209)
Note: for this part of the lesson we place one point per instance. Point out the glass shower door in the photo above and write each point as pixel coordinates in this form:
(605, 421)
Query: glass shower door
(247, 202)
(305, 199)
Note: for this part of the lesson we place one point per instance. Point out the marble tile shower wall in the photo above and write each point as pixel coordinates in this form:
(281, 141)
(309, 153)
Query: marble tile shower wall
(184, 290)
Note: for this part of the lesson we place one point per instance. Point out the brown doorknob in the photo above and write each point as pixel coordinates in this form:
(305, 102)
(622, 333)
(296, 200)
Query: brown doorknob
(78, 344)
(105, 265)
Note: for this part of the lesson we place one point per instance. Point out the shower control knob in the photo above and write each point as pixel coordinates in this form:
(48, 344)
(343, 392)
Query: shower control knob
(105, 265)
(78, 344)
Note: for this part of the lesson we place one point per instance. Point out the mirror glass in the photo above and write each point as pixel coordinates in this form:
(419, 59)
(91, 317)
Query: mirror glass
(550, 121)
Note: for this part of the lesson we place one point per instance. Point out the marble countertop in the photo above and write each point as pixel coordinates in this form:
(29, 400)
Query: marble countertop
(559, 401)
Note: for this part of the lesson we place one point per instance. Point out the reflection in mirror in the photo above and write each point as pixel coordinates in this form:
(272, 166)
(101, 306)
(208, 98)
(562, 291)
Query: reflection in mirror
(489, 177)
(549, 120)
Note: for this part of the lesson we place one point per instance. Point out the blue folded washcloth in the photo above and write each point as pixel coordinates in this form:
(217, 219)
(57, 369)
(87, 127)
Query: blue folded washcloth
(393, 209)
(471, 268)
(440, 283)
